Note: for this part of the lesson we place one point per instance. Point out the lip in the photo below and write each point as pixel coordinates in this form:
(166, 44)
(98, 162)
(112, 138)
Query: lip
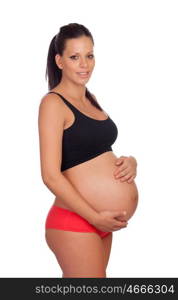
(83, 75)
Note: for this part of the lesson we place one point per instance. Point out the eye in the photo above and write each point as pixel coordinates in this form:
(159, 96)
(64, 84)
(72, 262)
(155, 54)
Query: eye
(73, 56)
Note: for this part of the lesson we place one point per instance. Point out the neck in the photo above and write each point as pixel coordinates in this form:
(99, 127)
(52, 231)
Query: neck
(76, 92)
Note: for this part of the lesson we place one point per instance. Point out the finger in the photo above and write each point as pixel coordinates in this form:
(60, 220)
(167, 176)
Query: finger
(121, 219)
(122, 172)
(127, 177)
(119, 161)
(123, 169)
(119, 214)
(131, 179)
(117, 170)
(120, 223)
(119, 227)
(120, 175)
(124, 178)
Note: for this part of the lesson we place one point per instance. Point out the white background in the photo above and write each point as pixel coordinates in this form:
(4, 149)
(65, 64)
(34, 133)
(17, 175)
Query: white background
(136, 81)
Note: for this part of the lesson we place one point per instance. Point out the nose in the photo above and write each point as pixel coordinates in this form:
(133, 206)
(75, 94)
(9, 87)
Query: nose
(83, 62)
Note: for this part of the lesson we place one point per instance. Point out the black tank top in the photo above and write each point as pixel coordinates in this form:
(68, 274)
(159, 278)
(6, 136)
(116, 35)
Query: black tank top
(86, 138)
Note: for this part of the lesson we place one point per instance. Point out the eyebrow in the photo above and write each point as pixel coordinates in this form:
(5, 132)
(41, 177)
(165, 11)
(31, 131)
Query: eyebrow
(87, 52)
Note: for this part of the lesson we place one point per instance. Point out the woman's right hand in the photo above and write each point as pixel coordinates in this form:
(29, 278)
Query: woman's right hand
(110, 221)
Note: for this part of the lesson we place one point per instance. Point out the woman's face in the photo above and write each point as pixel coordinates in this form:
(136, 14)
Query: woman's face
(77, 61)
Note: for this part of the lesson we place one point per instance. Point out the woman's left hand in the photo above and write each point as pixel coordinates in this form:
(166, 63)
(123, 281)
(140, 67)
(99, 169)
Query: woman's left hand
(126, 168)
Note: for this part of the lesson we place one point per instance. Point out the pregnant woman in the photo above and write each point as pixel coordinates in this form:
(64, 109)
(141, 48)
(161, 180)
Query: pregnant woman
(77, 162)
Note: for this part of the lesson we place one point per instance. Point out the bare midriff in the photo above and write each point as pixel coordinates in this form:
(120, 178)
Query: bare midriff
(96, 183)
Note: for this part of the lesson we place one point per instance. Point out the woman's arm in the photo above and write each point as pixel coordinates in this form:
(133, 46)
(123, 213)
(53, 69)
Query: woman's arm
(51, 121)
(65, 191)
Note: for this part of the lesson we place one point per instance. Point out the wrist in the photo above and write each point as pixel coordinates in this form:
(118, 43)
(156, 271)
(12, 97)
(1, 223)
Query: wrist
(94, 218)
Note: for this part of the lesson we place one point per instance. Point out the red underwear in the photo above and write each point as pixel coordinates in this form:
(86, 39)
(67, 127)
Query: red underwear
(64, 219)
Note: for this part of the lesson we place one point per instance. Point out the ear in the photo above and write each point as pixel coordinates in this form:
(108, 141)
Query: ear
(58, 61)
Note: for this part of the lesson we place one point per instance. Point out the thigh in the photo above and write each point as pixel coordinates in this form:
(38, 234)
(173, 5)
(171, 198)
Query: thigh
(107, 243)
(79, 254)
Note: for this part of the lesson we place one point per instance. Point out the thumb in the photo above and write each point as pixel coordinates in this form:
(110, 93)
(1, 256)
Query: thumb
(120, 214)
(119, 161)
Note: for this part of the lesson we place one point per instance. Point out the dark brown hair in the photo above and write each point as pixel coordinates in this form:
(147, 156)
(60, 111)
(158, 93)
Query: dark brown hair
(57, 46)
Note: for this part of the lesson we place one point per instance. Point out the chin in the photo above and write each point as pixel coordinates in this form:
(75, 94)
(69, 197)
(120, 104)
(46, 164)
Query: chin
(82, 82)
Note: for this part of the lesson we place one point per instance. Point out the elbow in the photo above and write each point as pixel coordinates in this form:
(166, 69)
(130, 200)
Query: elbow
(51, 178)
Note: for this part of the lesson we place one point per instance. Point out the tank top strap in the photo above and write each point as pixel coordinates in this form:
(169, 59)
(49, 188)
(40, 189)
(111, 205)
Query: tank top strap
(73, 108)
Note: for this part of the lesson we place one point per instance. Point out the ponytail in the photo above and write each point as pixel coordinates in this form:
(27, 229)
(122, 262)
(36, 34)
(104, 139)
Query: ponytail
(53, 73)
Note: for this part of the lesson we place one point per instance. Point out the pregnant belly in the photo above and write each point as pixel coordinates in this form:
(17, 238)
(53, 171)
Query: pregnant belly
(95, 181)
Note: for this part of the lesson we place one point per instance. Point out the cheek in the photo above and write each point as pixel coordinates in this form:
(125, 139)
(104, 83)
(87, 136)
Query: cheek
(92, 64)
(69, 69)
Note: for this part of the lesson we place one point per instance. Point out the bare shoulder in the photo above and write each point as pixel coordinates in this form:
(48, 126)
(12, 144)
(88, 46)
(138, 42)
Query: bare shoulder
(52, 100)
(51, 122)
(52, 105)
